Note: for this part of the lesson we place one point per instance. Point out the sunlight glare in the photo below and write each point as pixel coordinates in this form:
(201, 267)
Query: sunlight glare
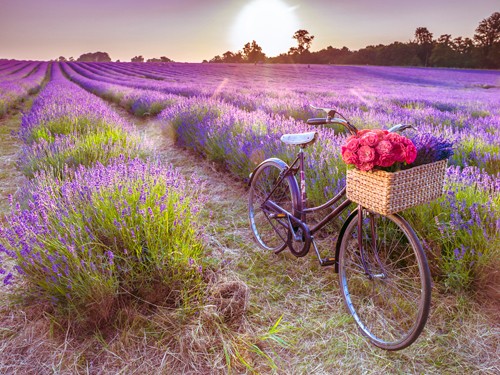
(271, 23)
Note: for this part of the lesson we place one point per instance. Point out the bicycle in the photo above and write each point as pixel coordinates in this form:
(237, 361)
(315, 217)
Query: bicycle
(383, 272)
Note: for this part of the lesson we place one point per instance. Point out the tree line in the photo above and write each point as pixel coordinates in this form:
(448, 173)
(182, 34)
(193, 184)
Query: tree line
(104, 57)
(482, 51)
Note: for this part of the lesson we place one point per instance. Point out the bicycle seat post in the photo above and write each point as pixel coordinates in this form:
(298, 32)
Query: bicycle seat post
(302, 140)
(303, 195)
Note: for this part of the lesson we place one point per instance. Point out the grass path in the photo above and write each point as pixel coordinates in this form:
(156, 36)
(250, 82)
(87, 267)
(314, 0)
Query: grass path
(322, 338)
(10, 177)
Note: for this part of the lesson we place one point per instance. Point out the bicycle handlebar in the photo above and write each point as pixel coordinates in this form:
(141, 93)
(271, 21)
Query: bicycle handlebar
(332, 119)
(317, 121)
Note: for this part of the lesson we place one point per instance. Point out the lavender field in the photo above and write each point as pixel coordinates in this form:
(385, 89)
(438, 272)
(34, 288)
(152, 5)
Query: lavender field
(86, 218)
(235, 114)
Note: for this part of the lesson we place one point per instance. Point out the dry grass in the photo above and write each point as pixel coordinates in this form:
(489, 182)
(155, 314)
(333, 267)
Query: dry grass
(10, 177)
(315, 336)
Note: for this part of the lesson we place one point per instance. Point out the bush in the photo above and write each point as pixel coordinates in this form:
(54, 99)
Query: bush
(130, 228)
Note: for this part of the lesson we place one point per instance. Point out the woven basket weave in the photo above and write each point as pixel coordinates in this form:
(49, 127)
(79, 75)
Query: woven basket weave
(387, 193)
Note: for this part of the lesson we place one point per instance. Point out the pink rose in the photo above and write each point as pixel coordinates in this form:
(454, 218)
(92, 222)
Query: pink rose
(398, 152)
(363, 132)
(366, 154)
(349, 157)
(351, 137)
(369, 139)
(411, 153)
(380, 133)
(352, 144)
(365, 166)
(406, 141)
(385, 160)
(384, 147)
(393, 138)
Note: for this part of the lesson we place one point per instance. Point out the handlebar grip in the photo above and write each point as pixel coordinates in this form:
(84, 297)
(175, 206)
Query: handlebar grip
(317, 121)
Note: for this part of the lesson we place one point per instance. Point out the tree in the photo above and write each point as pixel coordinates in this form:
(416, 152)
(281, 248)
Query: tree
(488, 31)
(216, 59)
(424, 40)
(399, 54)
(487, 38)
(253, 52)
(445, 39)
(230, 57)
(61, 58)
(462, 45)
(423, 36)
(137, 59)
(443, 55)
(304, 40)
(162, 59)
(330, 55)
(95, 56)
(282, 58)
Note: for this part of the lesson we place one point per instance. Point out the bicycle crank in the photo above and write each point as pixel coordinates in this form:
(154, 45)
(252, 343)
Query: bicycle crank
(299, 237)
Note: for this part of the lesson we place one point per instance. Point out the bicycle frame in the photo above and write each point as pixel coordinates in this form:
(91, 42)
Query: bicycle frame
(303, 210)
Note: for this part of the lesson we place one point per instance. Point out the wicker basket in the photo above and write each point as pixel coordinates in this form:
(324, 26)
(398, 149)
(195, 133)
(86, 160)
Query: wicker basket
(386, 193)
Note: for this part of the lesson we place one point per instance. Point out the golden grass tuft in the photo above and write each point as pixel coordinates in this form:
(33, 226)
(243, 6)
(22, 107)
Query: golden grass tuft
(230, 299)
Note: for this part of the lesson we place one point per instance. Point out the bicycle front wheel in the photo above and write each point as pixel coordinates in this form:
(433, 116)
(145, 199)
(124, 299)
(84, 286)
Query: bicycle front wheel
(386, 284)
(269, 229)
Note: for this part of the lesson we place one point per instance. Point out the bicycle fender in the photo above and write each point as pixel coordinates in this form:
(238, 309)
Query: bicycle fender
(280, 162)
(352, 216)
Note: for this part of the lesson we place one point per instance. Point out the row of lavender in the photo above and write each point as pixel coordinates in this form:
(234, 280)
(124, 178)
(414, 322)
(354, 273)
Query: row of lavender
(139, 101)
(19, 79)
(239, 124)
(463, 112)
(96, 219)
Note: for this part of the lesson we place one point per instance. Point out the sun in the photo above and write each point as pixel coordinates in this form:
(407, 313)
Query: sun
(271, 23)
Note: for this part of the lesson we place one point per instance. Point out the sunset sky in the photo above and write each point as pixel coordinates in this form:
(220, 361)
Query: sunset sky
(193, 30)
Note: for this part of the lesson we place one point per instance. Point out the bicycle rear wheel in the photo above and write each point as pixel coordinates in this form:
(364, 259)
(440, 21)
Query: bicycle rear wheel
(270, 230)
(391, 303)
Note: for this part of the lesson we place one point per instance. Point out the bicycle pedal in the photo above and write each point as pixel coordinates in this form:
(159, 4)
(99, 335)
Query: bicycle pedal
(327, 261)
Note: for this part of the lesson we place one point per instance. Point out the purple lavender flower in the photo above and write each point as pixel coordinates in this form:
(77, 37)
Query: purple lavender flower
(8, 279)
(430, 148)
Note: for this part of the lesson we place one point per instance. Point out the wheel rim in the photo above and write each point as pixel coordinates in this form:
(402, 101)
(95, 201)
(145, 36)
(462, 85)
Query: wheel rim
(391, 307)
(270, 232)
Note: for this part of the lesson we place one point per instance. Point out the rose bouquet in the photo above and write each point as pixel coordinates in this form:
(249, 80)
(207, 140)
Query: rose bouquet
(378, 149)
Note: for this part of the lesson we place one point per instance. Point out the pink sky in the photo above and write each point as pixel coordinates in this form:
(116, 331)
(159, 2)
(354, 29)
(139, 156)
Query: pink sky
(193, 30)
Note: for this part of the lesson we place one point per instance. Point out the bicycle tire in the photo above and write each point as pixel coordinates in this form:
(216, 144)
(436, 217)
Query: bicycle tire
(271, 233)
(391, 309)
